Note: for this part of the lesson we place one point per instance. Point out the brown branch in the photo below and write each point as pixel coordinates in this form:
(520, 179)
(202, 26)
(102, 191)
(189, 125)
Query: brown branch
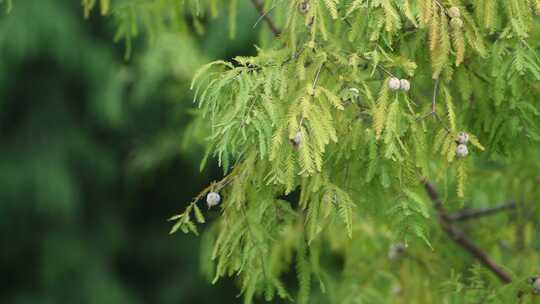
(458, 236)
(259, 5)
(469, 214)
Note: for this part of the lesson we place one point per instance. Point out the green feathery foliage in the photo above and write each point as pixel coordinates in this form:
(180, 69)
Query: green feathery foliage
(324, 153)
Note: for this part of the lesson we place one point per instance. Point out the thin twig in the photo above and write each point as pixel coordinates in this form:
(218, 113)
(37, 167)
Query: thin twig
(294, 56)
(441, 122)
(377, 66)
(458, 236)
(433, 101)
(261, 17)
(433, 111)
(469, 214)
(385, 71)
(259, 5)
(217, 186)
(317, 76)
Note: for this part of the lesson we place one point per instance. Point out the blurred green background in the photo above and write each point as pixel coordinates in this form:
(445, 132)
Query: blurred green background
(94, 158)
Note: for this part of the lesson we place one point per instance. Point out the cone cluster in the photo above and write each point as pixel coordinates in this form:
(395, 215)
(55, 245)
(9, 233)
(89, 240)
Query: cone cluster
(462, 140)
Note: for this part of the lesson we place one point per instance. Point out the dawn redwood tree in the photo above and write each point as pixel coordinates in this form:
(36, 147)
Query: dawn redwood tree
(378, 151)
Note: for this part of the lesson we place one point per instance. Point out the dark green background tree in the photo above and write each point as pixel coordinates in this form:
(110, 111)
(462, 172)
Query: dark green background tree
(370, 151)
(93, 161)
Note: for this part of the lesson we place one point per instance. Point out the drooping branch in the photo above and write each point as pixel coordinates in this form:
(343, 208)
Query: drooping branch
(469, 214)
(458, 236)
(259, 5)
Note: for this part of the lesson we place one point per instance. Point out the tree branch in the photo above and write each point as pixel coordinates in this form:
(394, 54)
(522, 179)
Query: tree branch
(458, 236)
(469, 214)
(259, 5)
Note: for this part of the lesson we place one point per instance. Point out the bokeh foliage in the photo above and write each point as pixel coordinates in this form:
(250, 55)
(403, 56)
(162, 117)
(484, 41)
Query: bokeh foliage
(93, 160)
(131, 147)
